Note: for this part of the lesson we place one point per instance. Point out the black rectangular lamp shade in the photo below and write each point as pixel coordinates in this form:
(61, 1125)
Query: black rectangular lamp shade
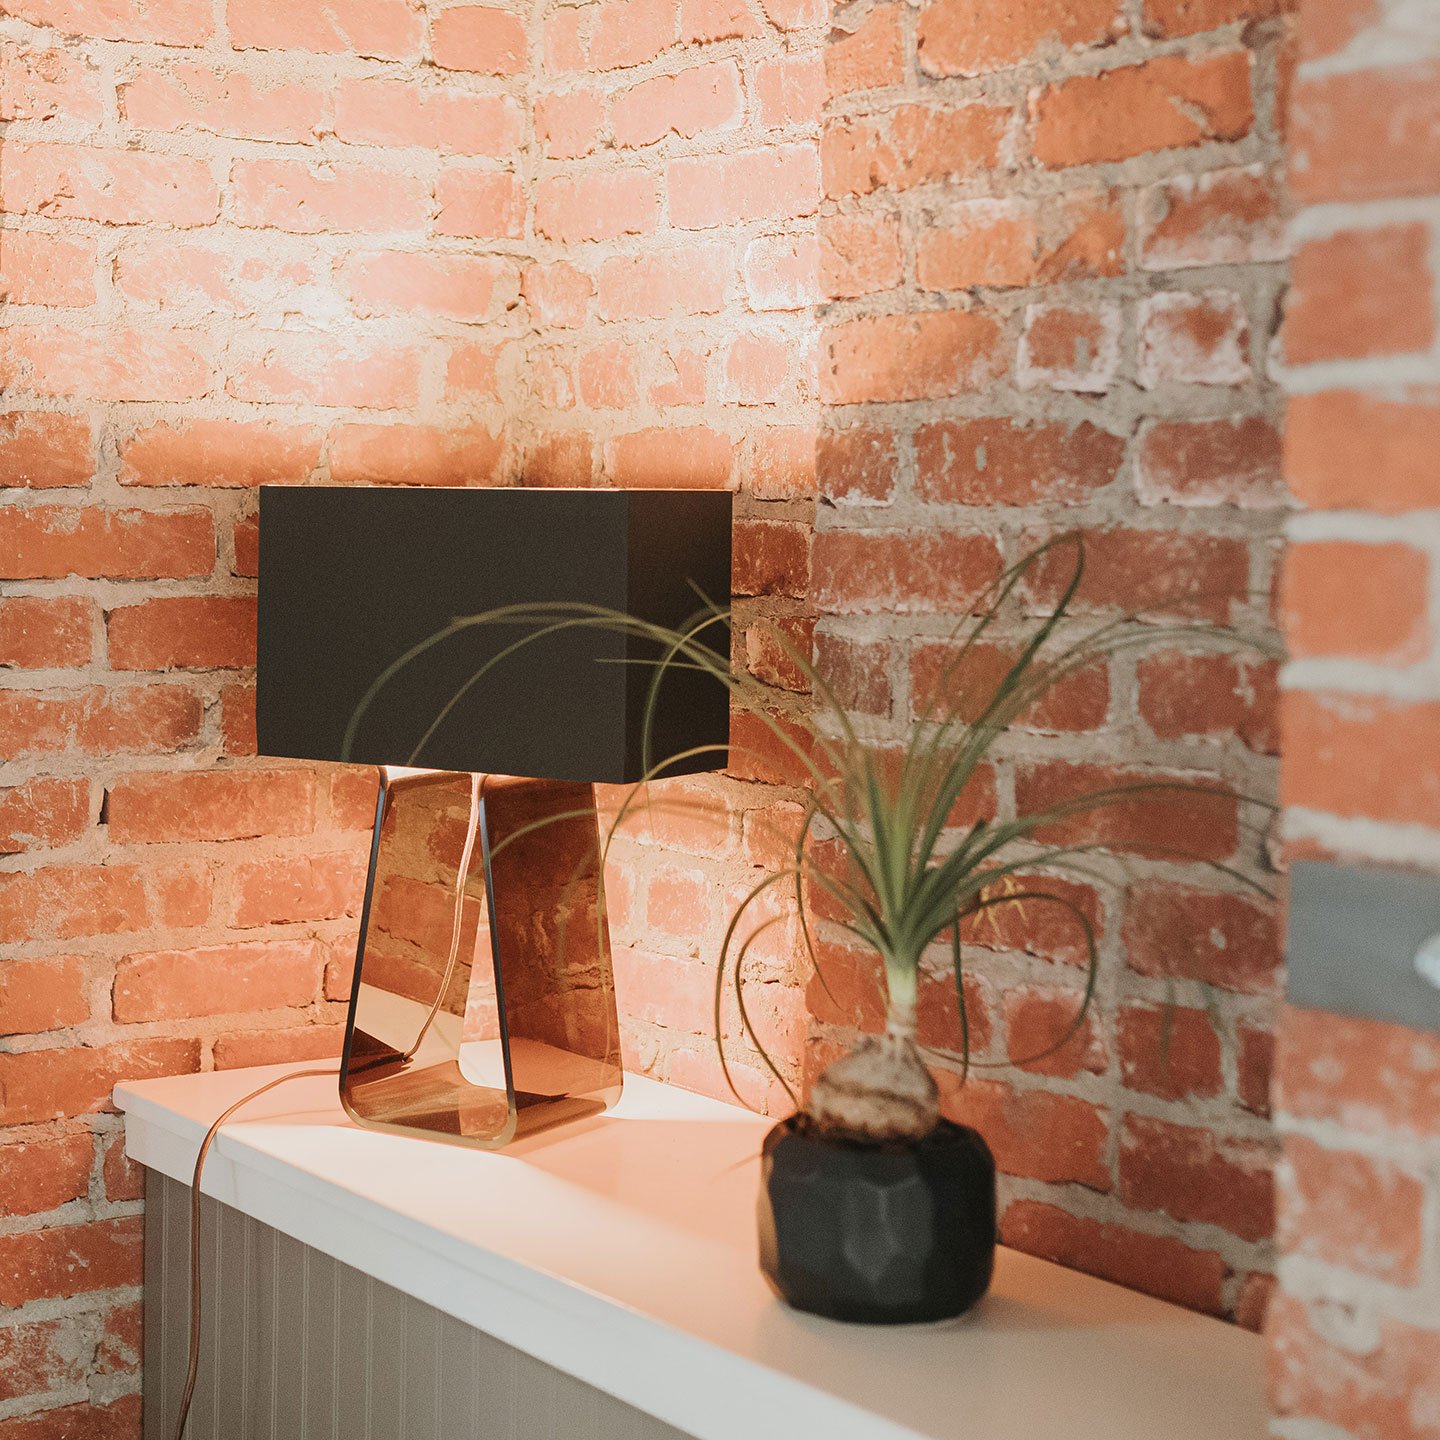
(353, 577)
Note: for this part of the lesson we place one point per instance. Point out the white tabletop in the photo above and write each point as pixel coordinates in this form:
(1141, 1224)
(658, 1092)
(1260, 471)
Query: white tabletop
(622, 1251)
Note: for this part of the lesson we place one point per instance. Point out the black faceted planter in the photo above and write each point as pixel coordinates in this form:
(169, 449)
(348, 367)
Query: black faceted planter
(885, 1235)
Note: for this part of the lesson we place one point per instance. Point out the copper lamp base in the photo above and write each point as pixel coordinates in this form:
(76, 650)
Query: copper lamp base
(483, 1004)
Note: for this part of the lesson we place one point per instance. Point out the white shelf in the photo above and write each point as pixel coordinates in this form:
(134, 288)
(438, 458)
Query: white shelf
(622, 1251)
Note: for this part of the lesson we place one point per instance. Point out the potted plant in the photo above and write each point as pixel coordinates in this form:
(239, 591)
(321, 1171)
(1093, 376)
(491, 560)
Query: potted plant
(874, 1207)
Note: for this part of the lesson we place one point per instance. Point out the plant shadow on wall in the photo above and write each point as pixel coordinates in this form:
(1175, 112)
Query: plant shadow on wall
(874, 1207)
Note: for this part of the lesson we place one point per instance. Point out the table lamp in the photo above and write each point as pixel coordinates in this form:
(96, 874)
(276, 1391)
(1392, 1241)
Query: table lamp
(483, 1004)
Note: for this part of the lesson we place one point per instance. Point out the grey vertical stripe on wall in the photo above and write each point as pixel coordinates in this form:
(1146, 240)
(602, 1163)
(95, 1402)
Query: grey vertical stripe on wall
(297, 1346)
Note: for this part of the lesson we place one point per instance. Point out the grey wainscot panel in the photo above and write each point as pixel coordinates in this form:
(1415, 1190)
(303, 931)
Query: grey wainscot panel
(297, 1346)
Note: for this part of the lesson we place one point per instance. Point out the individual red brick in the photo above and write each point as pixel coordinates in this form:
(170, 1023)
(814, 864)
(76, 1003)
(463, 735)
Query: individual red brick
(857, 673)
(1366, 601)
(192, 96)
(219, 453)
(320, 199)
(870, 57)
(1190, 1175)
(131, 365)
(564, 48)
(1011, 462)
(173, 22)
(43, 814)
(926, 356)
(597, 207)
(1037, 926)
(1070, 347)
(756, 369)
(937, 1015)
(558, 295)
(781, 182)
(948, 680)
(138, 719)
(43, 994)
(319, 370)
(606, 376)
(1153, 1264)
(198, 632)
(1229, 941)
(782, 463)
(859, 255)
(1211, 462)
(124, 1179)
(772, 751)
(1007, 243)
(701, 99)
(208, 276)
(1360, 755)
(478, 38)
(47, 84)
(414, 455)
(211, 805)
(856, 463)
(680, 904)
(900, 571)
(1036, 1022)
(454, 287)
(183, 894)
(240, 1048)
(1212, 695)
(949, 42)
(1035, 1134)
(1193, 339)
(1150, 571)
(353, 791)
(560, 460)
(52, 541)
(46, 269)
(37, 632)
(1165, 103)
(41, 1170)
(1255, 1064)
(772, 558)
(677, 994)
(111, 187)
(655, 287)
(237, 719)
(685, 456)
(70, 1260)
(1181, 816)
(1348, 450)
(376, 110)
(630, 32)
(382, 29)
(1219, 217)
(1366, 134)
(258, 975)
(472, 372)
(40, 1085)
(1335, 310)
(42, 450)
(1169, 1051)
(911, 145)
(789, 91)
(1350, 1210)
(1367, 1076)
(570, 123)
(47, 1355)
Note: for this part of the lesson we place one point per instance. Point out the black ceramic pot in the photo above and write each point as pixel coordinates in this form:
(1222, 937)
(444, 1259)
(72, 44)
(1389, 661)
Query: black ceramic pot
(886, 1235)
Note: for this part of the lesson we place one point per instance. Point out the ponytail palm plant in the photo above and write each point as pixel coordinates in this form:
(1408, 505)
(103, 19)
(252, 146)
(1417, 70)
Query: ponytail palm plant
(906, 878)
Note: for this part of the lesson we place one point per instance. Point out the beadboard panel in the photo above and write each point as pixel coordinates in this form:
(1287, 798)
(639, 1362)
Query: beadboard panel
(297, 1346)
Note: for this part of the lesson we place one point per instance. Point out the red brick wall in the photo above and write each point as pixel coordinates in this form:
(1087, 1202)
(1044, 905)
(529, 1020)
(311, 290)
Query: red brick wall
(1024, 278)
(1053, 251)
(1355, 1328)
